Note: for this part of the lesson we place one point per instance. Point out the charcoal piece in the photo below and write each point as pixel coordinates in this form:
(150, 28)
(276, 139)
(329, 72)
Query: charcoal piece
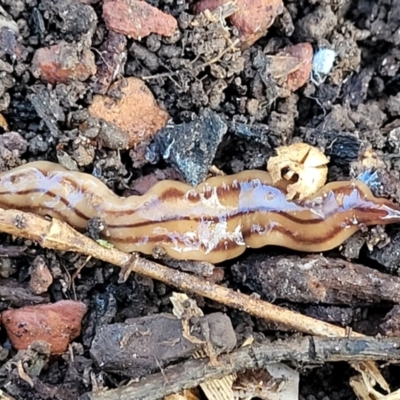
(388, 256)
(332, 314)
(143, 345)
(48, 108)
(257, 132)
(103, 310)
(356, 88)
(341, 147)
(191, 147)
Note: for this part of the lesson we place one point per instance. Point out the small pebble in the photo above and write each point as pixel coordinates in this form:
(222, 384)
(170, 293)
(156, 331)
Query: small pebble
(41, 277)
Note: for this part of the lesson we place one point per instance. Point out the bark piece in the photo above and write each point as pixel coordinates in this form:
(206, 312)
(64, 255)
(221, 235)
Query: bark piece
(17, 294)
(317, 279)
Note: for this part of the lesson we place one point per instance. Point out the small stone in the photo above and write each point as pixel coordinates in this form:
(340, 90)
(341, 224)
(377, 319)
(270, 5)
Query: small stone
(48, 108)
(10, 45)
(41, 277)
(112, 137)
(14, 142)
(252, 19)
(137, 19)
(63, 62)
(84, 155)
(191, 147)
(57, 324)
(135, 111)
(144, 183)
(140, 346)
(304, 53)
(393, 105)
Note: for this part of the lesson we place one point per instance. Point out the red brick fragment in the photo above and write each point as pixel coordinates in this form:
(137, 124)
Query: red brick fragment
(137, 18)
(133, 110)
(57, 324)
(298, 78)
(63, 62)
(252, 19)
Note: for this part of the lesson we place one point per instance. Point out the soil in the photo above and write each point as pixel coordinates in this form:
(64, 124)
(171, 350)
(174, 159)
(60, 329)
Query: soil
(356, 108)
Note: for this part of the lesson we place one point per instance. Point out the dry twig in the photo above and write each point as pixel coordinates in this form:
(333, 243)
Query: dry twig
(310, 350)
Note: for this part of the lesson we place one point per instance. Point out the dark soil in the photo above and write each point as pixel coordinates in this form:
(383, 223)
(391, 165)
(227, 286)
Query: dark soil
(355, 109)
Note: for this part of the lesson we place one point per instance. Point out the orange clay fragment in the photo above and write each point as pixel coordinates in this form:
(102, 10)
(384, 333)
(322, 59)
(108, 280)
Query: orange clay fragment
(303, 165)
(135, 112)
(214, 221)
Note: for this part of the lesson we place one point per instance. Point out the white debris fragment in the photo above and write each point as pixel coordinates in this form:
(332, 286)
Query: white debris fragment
(322, 64)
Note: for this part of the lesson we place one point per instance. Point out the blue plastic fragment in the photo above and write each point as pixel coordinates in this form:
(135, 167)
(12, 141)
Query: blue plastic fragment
(370, 178)
(322, 64)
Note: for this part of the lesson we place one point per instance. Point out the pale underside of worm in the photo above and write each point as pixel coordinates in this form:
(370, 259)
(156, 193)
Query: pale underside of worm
(214, 221)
